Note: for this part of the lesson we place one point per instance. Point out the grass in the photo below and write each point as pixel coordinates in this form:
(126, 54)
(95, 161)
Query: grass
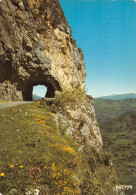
(123, 146)
(107, 110)
(33, 150)
(118, 129)
(68, 99)
(35, 153)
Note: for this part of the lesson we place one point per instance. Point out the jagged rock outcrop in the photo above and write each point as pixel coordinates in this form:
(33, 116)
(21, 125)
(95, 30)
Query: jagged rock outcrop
(79, 120)
(37, 48)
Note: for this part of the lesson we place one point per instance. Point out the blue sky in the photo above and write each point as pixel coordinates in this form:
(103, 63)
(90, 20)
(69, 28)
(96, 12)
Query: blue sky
(106, 32)
(39, 90)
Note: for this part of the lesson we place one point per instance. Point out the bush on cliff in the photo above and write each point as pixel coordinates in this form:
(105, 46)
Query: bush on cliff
(69, 99)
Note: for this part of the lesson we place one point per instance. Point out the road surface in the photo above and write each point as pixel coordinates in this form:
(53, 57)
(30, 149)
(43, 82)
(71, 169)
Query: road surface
(12, 104)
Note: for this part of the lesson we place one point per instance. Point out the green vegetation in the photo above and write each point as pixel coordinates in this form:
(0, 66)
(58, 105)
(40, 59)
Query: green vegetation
(119, 97)
(99, 174)
(124, 123)
(117, 121)
(35, 153)
(69, 99)
(109, 109)
(123, 146)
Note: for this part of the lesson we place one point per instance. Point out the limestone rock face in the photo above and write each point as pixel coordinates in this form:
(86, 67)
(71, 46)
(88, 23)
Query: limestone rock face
(37, 48)
(81, 123)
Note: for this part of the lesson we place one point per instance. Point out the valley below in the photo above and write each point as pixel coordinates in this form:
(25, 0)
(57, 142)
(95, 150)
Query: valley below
(117, 120)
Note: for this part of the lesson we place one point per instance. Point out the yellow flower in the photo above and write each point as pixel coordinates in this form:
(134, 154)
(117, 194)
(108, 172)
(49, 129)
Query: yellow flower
(51, 114)
(21, 166)
(2, 174)
(11, 166)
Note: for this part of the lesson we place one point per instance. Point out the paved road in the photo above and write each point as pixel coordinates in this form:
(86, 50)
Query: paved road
(12, 104)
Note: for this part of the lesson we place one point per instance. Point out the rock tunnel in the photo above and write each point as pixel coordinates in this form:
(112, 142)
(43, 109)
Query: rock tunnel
(51, 85)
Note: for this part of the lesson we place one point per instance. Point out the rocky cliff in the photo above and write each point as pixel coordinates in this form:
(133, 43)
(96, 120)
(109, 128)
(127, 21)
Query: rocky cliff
(36, 47)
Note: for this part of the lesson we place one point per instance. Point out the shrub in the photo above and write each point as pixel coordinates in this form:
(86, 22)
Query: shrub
(68, 99)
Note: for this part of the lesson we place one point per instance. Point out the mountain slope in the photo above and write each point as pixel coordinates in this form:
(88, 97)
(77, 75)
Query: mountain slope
(36, 97)
(125, 122)
(119, 97)
(108, 109)
(117, 120)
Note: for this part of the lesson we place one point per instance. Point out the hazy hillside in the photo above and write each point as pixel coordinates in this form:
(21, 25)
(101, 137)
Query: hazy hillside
(36, 97)
(119, 97)
(117, 120)
(125, 122)
(109, 109)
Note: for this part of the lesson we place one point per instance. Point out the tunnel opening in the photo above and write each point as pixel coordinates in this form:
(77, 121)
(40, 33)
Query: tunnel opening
(39, 92)
(47, 90)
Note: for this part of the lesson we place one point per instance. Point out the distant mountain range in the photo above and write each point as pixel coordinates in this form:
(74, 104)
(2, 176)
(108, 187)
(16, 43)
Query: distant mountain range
(118, 97)
(36, 97)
